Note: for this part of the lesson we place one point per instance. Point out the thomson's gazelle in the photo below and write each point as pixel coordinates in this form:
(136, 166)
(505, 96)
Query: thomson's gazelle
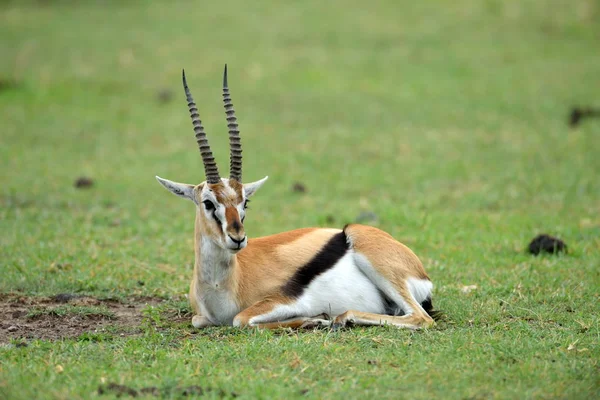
(358, 275)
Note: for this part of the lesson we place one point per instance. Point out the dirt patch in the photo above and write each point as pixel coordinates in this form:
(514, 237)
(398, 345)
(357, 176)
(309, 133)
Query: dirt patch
(29, 318)
(177, 391)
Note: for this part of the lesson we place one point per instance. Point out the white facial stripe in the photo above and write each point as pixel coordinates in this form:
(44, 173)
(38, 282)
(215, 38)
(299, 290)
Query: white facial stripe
(240, 208)
(207, 194)
(228, 191)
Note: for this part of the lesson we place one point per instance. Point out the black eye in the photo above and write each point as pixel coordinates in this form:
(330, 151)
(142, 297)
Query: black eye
(246, 204)
(208, 205)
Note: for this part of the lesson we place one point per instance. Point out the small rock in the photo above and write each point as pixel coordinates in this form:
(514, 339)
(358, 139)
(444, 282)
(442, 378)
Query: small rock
(12, 328)
(546, 243)
(83, 182)
(299, 188)
(468, 288)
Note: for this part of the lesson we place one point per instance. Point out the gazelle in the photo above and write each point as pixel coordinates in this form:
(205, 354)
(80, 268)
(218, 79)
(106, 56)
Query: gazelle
(357, 275)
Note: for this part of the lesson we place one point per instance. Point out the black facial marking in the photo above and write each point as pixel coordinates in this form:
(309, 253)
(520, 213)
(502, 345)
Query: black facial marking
(210, 206)
(217, 219)
(326, 258)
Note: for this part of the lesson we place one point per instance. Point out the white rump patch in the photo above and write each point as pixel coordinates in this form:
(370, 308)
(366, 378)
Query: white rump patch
(420, 288)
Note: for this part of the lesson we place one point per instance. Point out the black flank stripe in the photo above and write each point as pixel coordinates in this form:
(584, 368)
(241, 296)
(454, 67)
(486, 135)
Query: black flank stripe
(326, 258)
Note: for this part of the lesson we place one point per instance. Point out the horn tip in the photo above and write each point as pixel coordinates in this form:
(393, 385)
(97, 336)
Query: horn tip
(225, 76)
(183, 77)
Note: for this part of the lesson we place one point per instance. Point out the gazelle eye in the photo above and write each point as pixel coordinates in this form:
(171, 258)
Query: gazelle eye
(246, 204)
(208, 205)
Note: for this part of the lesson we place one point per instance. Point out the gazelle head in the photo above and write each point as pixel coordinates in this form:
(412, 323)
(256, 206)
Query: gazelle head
(221, 203)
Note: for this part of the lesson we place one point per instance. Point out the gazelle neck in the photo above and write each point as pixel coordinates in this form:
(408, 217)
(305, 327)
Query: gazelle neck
(214, 266)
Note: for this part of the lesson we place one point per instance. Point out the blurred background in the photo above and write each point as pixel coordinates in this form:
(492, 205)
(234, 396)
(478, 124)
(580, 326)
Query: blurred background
(446, 124)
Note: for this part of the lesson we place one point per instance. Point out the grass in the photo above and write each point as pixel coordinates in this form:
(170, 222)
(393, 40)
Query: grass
(449, 122)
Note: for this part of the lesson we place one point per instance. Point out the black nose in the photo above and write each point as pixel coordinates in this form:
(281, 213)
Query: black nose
(238, 242)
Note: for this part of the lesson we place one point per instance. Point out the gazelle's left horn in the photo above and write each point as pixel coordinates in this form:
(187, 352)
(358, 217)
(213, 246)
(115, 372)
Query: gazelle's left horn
(235, 144)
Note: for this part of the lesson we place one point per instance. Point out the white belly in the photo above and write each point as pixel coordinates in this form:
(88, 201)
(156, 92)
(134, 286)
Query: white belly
(341, 288)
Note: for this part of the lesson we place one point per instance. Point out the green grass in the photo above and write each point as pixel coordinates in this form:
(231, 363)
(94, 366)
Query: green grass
(448, 121)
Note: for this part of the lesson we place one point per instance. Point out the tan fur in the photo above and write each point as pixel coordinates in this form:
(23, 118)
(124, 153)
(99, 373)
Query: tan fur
(267, 263)
(392, 259)
(235, 229)
(227, 197)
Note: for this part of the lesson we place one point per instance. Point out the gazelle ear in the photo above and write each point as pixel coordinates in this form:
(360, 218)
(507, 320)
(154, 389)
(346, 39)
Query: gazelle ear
(179, 189)
(251, 188)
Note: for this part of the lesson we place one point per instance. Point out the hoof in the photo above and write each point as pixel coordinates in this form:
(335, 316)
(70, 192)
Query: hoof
(199, 321)
(316, 323)
(337, 326)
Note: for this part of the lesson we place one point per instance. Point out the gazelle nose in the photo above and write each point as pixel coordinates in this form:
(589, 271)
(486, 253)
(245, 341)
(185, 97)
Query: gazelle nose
(236, 226)
(238, 242)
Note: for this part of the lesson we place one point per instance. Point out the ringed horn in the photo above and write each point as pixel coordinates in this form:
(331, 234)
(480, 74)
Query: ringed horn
(235, 145)
(210, 166)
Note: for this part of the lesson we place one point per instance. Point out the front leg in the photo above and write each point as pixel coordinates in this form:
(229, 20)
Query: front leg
(277, 312)
(200, 321)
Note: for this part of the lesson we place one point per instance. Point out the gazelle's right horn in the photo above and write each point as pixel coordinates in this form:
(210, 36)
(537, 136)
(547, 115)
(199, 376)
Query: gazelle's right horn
(210, 166)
